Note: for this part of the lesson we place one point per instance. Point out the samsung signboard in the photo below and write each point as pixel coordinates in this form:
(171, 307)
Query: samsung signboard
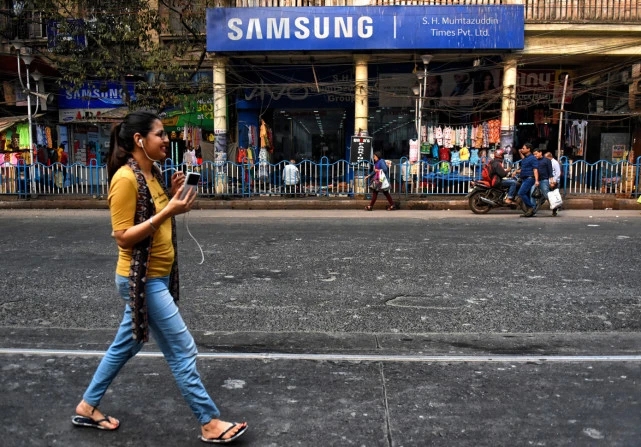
(103, 95)
(353, 28)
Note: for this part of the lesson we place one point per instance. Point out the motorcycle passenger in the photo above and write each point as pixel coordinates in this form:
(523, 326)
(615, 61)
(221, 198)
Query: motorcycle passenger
(498, 170)
(529, 175)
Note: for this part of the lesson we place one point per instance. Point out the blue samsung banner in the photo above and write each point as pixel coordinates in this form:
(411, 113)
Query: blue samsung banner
(495, 27)
(109, 95)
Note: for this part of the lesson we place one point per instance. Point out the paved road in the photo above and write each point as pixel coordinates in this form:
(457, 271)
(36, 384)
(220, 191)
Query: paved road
(411, 328)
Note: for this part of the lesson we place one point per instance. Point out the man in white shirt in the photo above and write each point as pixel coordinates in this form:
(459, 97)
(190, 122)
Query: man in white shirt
(555, 180)
(291, 177)
(556, 169)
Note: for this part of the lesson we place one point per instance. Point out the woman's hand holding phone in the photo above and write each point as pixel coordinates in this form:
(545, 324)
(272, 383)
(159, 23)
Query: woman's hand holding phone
(182, 201)
(185, 196)
(177, 180)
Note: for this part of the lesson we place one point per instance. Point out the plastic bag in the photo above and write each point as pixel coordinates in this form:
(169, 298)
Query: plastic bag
(384, 181)
(554, 197)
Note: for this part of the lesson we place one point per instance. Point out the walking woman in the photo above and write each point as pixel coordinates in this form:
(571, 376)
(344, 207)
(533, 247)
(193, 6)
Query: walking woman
(380, 167)
(142, 219)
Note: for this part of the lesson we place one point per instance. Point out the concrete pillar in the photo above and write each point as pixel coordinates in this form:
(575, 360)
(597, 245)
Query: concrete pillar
(361, 111)
(508, 103)
(220, 104)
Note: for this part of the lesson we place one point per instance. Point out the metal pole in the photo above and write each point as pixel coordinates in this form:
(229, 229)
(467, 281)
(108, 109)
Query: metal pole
(421, 111)
(418, 114)
(565, 86)
(29, 116)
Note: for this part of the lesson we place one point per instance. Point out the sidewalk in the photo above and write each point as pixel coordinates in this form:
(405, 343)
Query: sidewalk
(437, 202)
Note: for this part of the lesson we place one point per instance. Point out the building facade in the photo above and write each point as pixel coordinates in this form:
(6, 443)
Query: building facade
(301, 78)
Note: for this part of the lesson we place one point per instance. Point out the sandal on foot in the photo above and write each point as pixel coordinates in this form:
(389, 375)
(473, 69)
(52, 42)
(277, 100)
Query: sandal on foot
(84, 421)
(368, 208)
(391, 208)
(221, 440)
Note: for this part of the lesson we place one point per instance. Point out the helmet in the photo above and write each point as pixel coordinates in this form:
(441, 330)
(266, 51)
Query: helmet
(499, 153)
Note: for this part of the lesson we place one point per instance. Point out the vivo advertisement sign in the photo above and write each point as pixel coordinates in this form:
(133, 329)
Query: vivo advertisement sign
(495, 27)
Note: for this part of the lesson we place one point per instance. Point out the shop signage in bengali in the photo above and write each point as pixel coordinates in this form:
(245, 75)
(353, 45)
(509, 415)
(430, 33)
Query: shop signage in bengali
(496, 27)
(360, 149)
(199, 113)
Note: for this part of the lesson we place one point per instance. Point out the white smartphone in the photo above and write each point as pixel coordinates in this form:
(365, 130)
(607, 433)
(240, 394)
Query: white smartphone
(191, 182)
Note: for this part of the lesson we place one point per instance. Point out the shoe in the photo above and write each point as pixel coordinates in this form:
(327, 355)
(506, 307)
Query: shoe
(528, 213)
(391, 207)
(83, 421)
(509, 201)
(368, 208)
(555, 211)
(220, 440)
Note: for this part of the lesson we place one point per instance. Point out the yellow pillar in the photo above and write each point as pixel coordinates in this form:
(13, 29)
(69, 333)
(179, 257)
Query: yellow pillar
(508, 103)
(220, 104)
(361, 111)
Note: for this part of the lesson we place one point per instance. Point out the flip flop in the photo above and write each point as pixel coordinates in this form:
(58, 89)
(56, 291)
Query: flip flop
(83, 421)
(220, 440)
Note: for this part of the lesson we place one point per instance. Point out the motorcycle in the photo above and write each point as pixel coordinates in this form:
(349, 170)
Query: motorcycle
(483, 197)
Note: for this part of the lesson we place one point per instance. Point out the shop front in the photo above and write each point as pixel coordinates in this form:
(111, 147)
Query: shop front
(86, 115)
(311, 78)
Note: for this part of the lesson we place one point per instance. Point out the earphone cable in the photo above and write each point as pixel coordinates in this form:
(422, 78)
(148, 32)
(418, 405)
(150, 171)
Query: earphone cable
(202, 254)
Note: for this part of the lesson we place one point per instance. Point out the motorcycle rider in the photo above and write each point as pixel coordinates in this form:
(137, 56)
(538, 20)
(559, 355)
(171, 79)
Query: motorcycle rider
(498, 170)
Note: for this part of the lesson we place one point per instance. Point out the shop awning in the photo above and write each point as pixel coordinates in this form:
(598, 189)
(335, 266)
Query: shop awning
(8, 121)
(117, 114)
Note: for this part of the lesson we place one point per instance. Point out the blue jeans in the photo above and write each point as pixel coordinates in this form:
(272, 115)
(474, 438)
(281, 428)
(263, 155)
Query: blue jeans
(172, 336)
(524, 191)
(512, 186)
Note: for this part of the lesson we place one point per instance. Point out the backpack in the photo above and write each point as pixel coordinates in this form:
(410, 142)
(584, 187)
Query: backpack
(488, 175)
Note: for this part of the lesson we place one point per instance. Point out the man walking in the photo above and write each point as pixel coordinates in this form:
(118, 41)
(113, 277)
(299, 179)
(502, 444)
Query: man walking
(529, 177)
(291, 177)
(544, 170)
(555, 180)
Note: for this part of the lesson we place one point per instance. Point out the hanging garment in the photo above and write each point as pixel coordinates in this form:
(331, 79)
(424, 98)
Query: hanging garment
(448, 134)
(494, 134)
(413, 155)
(478, 136)
(438, 135)
(444, 154)
(263, 164)
(486, 134)
(455, 158)
(464, 154)
(474, 157)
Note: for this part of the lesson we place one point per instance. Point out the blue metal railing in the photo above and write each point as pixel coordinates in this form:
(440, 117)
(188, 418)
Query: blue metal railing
(322, 179)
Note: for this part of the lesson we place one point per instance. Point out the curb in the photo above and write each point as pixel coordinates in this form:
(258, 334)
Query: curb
(320, 203)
